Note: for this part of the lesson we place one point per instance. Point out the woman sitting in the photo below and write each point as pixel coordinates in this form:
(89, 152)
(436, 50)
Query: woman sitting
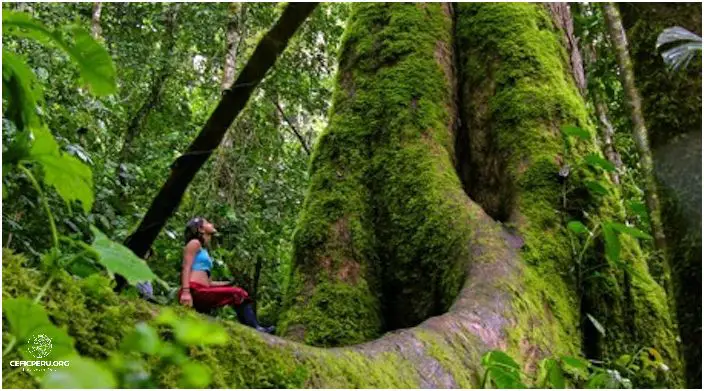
(197, 290)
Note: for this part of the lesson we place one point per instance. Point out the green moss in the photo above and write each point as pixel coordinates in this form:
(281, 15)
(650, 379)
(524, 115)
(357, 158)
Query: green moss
(383, 182)
(351, 369)
(529, 97)
(97, 320)
(459, 357)
(518, 92)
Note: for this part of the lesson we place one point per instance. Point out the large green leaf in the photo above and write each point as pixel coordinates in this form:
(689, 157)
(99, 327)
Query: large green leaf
(597, 187)
(574, 131)
(632, 231)
(72, 179)
(577, 227)
(94, 62)
(120, 260)
(81, 373)
(143, 339)
(639, 209)
(612, 245)
(21, 91)
(594, 160)
(555, 374)
(193, 331)
(503, 370)
(28, 321)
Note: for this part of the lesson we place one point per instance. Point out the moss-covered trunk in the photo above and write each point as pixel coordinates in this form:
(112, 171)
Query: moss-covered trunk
(672, 104)
(391, 236)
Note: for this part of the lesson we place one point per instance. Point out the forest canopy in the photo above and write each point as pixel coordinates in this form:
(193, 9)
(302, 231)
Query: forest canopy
(492, 195)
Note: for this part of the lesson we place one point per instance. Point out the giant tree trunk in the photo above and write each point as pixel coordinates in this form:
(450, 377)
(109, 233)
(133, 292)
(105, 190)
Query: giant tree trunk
(672, 104)
(392, 237)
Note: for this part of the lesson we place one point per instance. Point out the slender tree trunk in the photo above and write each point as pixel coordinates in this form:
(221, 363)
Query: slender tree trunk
(640, 133)
(607, 136)
(95, 20)
(233, 101)
(672, 106)
(602, 113)
(292, 127)
(224, 176)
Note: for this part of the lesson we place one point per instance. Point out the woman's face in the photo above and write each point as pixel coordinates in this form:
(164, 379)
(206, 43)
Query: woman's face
(207, 229)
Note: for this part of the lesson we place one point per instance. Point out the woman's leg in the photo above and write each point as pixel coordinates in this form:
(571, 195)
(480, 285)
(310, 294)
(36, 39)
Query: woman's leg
(212, 297)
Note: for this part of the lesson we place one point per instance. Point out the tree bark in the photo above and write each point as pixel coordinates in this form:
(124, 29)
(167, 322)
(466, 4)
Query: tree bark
(292, 127)
(617, 37)
(602, 113)
(235, 34)
(233, 101)
(95, 20)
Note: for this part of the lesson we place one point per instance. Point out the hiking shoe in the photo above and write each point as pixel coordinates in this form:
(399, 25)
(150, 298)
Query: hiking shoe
(268, 330)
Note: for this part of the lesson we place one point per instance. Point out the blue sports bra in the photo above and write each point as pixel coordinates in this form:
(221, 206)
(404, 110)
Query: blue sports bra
(202, 261)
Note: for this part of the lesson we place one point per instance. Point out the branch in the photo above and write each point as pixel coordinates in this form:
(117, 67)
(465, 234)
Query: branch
(293, 128)
(231, 104)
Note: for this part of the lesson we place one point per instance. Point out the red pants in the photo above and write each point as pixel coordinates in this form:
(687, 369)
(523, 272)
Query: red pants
(209, 297)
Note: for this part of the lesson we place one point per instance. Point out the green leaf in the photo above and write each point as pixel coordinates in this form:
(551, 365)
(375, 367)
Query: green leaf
(573, 362)
(597, 187)
(612, 244)
(96, 66)
(596, 324)
(72, 179)
(21, 90)
(28, 322)
(195, 375)
(639, 209)
(575, 366)
(504, 378)
(623, 360)
(577, 227)
(81, 373)
(555, 375)
(503, 370)
(597, 380)
(495, 357)
(120, 260)
(574, 131)
(192, 331)
(143, 339)
(594, 160)
(94, 63)
(632, 231)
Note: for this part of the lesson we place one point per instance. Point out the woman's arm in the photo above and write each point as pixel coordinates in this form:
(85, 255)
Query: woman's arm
(189, 254)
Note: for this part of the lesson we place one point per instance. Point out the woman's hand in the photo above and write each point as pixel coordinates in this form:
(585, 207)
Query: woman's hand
(186, 298)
